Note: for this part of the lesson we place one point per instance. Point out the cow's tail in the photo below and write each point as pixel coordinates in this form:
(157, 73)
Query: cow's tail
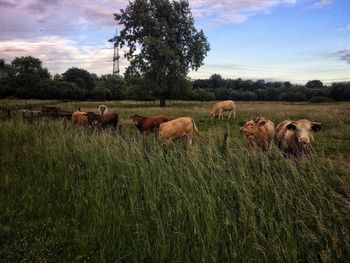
(196, 129)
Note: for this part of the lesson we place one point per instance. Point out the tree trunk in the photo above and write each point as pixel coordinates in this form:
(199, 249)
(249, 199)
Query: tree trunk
(162, 101)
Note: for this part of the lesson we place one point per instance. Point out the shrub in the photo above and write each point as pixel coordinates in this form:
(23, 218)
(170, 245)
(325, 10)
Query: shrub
(318, 99)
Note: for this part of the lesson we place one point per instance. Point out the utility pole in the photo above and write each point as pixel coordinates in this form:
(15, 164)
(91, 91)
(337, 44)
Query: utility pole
(116, 54)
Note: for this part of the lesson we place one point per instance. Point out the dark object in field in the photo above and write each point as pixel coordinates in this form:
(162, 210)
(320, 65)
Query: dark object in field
(30, 113)
(223, 147)
(56, 112)
(259, 132)
(295, 137)
(109, 119)
(147, 124)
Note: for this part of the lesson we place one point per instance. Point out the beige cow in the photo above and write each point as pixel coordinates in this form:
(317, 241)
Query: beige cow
(79, 118)
(295, 137)
(223, 106)
(259, 133)
(183, 127)
(102, 109)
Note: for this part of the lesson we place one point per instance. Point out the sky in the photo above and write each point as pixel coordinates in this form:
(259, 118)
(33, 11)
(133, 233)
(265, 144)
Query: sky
(274, 40)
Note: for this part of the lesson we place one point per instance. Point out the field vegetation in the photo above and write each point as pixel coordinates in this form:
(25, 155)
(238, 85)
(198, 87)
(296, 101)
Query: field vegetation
(73, 195)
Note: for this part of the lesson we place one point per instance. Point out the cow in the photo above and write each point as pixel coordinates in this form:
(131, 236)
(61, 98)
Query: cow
(223, 106)
(259, 132)
(295, 137)
(146, 124)
(183, 127)
(79, 118)
(109, 119)
(102, 109)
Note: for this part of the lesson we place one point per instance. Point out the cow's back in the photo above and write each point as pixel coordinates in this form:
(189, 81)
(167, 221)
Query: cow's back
(224, 105)
(79, 117)
(270, 129)
(176, 128)
(285, 138)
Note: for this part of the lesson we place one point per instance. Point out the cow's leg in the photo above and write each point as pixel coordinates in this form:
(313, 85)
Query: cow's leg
(234, 114)
(229, 114)
(189, 140)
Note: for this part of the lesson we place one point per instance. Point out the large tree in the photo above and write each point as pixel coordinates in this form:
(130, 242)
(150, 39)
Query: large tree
(163, 44)
(26, 73)
(81, 77)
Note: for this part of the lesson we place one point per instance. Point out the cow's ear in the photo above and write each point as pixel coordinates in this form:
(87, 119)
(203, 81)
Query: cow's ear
(291, 126)
(263, 122)
(315, 126)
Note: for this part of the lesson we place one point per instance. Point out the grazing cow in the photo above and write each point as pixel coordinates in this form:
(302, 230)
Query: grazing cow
(79, 118)
(223, 106)
(295, 137)
(104, 120)
(178, 128)
(102, 109)
(146, 124)
(259, 132)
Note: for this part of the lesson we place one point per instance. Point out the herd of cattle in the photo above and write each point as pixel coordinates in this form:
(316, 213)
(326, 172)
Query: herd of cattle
(292, 137)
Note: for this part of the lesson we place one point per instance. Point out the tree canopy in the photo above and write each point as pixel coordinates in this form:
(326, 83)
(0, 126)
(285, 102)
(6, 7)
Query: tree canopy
(163, 44)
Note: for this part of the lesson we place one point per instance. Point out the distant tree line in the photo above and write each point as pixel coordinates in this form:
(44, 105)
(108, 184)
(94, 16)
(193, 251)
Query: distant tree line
(25, 78)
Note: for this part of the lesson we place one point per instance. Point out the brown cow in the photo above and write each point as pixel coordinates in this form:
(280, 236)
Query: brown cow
(295, 137)
(259, 132)
(146, 124)
(104, 120)
(79, 118)
(178, 128)
(223, 106)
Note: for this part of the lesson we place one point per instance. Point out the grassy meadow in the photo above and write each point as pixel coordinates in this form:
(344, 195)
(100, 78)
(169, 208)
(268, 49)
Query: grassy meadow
(75, 195)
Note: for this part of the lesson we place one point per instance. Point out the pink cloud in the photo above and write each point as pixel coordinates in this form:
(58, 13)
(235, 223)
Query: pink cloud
(233, 12)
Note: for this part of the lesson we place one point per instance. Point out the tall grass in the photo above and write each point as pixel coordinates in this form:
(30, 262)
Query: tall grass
(72, 195)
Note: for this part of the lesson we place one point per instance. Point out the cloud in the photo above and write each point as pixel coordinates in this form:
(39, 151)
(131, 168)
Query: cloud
(346, 28)
(233, 12)
(343, 55)
(61, 54)
(322, 3)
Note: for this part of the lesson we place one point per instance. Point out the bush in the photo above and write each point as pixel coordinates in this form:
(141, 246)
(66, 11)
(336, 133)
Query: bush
(293, 97)
(203, 95)
(318, 99)
(100, 94)
(54, 89)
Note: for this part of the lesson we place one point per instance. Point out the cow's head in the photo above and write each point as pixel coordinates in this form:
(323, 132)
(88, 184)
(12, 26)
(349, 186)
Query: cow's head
(212, 115)
(303, 130)
(136, 118)
(251, 127)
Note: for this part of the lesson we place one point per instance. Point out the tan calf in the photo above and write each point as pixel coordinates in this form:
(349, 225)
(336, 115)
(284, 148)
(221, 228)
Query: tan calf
(227, 106)
(295, 137)
(259, 133)
(179, 128)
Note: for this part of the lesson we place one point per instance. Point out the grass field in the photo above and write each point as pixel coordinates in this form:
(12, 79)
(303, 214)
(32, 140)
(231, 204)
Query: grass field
(74, 195)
